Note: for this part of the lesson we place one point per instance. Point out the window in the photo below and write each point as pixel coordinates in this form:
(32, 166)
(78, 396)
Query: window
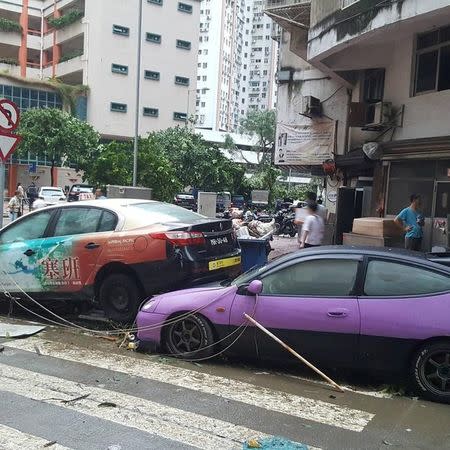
(156, 2)
(185, 45)
(183, 81)
(386, 279)
(108, 222)
(183, 7)
(118, 68)
(119, 107)
(152, 37)
(203, 104)
(151, 75)
(432, 61)
(373, 85)
(123, 31)
(180, 116)
(306, 279)
(29, 228)
(78, 221)
(151, 112)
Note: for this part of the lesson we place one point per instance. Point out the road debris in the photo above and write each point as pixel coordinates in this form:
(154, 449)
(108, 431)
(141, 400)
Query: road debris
(107, 405)
(73, 400)
(274, 443)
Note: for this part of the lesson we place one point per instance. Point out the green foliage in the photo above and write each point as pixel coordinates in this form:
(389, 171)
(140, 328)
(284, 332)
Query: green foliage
(65, 20)
(56, 134)
(261, 124)
(168, 161)
(10, 25)
(11, 61)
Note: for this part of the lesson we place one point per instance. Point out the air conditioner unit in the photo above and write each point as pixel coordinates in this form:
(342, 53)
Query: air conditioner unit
(379, 114)
(311, 106)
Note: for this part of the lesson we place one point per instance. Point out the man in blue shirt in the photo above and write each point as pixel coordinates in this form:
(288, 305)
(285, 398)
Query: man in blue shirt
(411, 221)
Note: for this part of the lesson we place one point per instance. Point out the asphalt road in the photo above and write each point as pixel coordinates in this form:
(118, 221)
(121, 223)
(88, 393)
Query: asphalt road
(79, 391)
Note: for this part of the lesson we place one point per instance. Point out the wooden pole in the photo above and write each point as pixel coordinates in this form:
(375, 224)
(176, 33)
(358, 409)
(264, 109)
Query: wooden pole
(289, 349)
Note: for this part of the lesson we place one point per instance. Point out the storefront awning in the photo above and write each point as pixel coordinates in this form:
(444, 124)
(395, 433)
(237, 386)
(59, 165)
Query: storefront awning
(424, 148)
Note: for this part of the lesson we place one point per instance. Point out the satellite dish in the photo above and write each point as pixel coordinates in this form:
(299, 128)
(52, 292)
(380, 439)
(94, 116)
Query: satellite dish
(373, 150)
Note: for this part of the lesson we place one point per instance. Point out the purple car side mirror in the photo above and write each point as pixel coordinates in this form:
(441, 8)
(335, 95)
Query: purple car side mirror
(255, 287)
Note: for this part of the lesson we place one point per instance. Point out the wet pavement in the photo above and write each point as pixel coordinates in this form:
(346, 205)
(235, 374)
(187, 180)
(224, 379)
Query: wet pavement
(71, 387)
(81, 391)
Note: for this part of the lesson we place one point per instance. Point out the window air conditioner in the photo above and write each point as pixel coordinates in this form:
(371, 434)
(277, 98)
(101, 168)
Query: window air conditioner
(379, 114)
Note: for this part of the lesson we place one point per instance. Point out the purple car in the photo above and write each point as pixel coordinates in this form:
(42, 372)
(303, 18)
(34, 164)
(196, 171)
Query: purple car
(371, 309)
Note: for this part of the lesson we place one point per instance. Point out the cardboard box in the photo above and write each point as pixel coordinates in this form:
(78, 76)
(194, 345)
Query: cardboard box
(372, 241)
(376, 226)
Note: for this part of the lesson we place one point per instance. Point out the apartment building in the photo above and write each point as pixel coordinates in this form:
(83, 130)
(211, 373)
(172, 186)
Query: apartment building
(95, 43)
(380, 71)
(237, 59)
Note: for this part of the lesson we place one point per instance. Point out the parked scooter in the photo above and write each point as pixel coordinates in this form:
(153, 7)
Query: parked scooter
(285, 223)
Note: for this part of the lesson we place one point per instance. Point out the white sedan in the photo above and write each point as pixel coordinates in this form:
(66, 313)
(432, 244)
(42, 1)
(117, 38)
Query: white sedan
(51, 195)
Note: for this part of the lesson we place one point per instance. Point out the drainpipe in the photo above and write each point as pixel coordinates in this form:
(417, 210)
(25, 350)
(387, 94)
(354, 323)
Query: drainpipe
(23, 51)
(56, 47)
(41, 56)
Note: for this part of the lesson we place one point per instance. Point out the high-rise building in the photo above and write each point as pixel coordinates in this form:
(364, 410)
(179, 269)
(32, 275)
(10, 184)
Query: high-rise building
(95, 43)
(237, 60)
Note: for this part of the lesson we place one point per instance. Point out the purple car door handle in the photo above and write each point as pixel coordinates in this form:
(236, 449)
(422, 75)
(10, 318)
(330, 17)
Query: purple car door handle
(338, 312)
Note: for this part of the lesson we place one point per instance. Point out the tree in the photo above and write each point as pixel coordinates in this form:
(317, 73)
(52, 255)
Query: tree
(262, 125)
(56, 135)
(112, 163)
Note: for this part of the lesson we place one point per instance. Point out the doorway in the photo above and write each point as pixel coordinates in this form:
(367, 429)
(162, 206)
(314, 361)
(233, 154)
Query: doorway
(440, 213)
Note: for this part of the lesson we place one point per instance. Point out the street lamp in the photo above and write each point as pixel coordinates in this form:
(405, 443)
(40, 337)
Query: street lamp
(188, 101)
(138, 94)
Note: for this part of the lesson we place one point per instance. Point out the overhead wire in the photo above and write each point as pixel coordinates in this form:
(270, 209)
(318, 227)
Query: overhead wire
(244, 325)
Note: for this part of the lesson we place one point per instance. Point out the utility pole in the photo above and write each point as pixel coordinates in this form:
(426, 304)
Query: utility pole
(138, 95)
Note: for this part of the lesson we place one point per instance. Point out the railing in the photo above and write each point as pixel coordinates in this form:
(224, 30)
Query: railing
(280, 3)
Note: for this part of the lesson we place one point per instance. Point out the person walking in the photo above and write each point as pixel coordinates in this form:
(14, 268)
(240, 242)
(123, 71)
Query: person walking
(14, 206)
(22, 197)
(32, 194)
(313, 227)
(411, 221)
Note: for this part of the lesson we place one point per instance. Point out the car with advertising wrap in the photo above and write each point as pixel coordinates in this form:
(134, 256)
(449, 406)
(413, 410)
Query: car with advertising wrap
(114, 252)
(370, 309)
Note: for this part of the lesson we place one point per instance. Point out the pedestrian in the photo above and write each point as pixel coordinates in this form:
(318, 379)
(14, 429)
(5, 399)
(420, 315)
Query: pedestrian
(411, 221)
(321, 210)
(313, 227)
(14, 206)
(32, 194)
(22, 197)
(99, 194)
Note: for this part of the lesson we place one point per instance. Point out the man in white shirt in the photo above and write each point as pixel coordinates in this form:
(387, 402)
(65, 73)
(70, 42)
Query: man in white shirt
(313, 227)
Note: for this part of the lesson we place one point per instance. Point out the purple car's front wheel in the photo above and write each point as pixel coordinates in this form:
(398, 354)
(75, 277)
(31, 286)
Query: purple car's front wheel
(190, 337)
(432, 371)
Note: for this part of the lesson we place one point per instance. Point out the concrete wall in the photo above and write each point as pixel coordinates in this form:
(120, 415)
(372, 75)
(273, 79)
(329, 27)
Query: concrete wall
(333, 27)
(105, 48)
(307, 80)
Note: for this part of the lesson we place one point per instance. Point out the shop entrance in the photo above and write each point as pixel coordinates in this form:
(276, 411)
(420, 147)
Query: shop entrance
(440, 213)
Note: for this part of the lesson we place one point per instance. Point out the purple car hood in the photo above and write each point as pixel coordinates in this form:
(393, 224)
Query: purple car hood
(189, 299)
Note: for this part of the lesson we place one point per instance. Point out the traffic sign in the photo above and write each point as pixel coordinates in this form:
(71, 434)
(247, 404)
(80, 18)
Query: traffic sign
(9, 121)
(9, 116)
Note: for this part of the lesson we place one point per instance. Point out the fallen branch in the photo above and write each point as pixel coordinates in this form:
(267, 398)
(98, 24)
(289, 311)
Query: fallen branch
(289, 349)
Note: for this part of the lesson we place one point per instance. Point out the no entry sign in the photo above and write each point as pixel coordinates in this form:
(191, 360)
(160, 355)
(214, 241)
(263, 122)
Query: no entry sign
(9, 121)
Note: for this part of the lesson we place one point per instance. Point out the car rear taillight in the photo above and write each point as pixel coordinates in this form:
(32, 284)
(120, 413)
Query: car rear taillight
(181, 238)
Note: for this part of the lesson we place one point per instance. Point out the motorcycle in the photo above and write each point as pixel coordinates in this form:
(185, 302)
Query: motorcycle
(285, 223)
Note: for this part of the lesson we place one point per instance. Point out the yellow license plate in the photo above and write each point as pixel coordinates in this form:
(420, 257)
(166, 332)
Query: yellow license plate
(222, 263)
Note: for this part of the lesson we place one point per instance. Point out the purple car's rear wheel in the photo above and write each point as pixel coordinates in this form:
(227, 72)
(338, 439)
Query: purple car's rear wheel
(432, 371)
(190, 337)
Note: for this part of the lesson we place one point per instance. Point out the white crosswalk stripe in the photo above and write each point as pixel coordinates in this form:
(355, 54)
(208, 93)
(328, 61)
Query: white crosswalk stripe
(11, 439)
(164, 421)
(293, 405)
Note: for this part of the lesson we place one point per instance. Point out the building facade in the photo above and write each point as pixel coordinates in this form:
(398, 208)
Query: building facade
(237, 61)
(390, 63)
(95, 43)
